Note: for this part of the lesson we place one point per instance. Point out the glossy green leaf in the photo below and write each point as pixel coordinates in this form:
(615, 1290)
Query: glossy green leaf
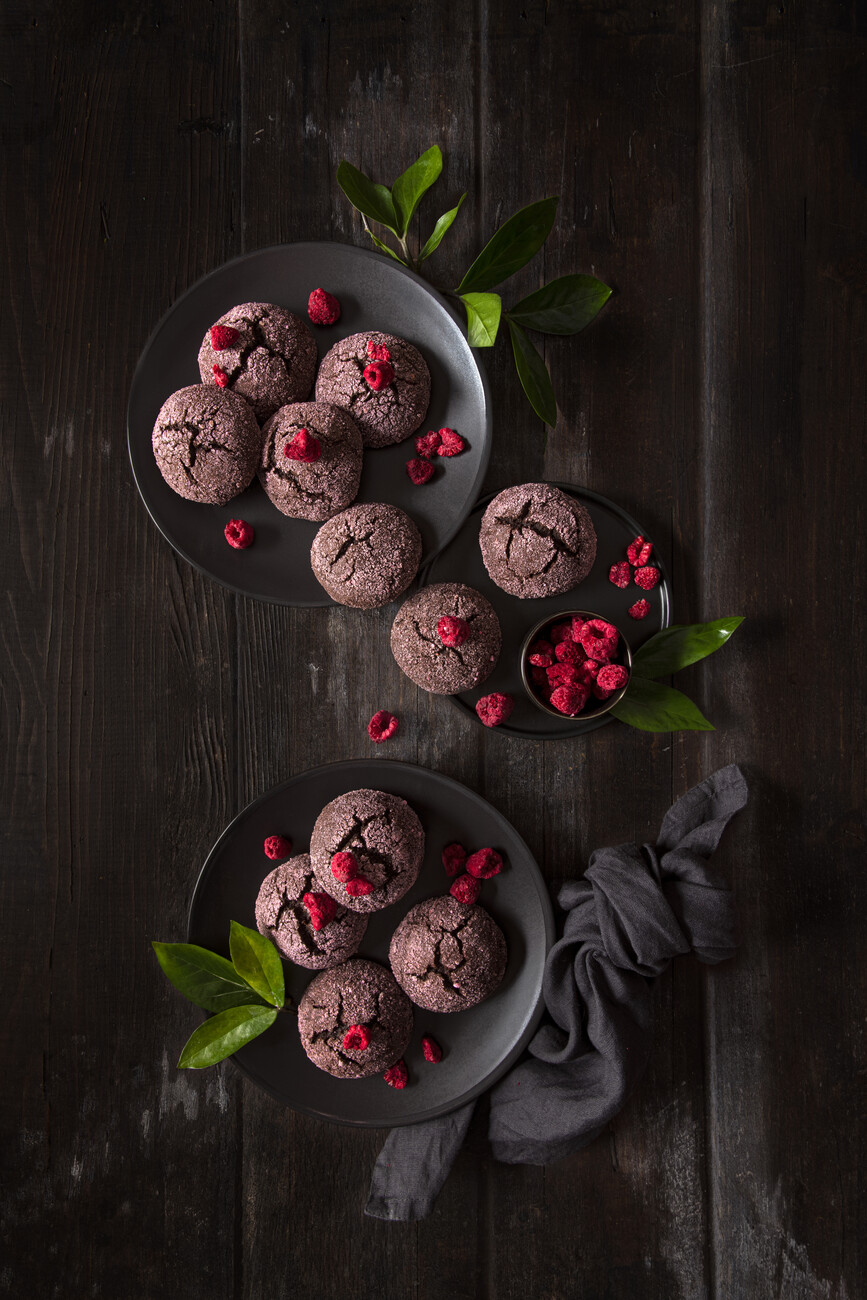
(563, 306)
(650, 706)
(409, 189)
(204, 977)
(483, 318)
(222, 1035)
(373, 200)
(677, 647)
(439, 230)
(384, 248)
(514, 244)
(533, 374)
(256, 959)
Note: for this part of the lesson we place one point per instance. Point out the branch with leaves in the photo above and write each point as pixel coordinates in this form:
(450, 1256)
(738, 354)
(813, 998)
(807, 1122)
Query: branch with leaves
(651, 706)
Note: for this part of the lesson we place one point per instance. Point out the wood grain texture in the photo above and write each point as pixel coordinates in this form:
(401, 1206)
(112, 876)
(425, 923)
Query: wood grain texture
(712, 166)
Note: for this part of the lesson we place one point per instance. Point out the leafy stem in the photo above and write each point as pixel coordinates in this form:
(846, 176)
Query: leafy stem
(647, 704)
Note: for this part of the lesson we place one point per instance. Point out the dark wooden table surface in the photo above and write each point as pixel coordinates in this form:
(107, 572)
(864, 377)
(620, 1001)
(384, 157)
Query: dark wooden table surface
(712, 163)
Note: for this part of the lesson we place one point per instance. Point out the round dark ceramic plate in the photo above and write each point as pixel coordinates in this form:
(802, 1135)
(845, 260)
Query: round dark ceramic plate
(461, 561)
(374, 293)
(478, 1045)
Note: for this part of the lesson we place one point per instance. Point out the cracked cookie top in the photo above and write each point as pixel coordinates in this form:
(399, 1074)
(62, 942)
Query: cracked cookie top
(537, 541)
(367, 555)
(272, 362)
(359, 992)
(447, 956)
(318, 489)
(392, 413)
(282, 917)
(423, 655)
(384, 835)
(206, 443)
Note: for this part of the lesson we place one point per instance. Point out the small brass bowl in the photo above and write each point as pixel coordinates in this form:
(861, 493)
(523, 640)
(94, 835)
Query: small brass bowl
(623, 656)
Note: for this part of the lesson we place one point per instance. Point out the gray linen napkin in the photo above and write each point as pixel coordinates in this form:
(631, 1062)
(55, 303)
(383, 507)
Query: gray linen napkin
(635, 909)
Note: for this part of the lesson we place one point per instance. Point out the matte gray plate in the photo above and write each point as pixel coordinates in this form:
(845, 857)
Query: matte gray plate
(461, 561)
(374, 293)
(478, 1045)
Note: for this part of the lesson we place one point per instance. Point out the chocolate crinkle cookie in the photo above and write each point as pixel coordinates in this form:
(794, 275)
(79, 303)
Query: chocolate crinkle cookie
(367, 555)
(537, 541)
(359, 994)
(384, 836)
(283, 918)
(206, 444)
(385, 414)
(447, 956)
(446, 638)
(266, 354)
(301, 486)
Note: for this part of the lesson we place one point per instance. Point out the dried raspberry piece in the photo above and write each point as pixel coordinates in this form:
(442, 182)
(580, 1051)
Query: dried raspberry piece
(600, 693)
(397, 1076)
(303, 447)
(377, 351)
(564, 674)
(239, 533)
(646, 578)
(599, 639)
(344, 866)
(322, 908)
(570, 699)
(382, 726)
(323, 308)
(494, 709)
(357, 1038)
(358, 887)
(432, 1050)
(426, 444)
(454, 857)
(277, 846)
(612, 677)
(484, 863)
(620, 574)
(638, 552)
(223, 336)
(466, 889)
(453, 631)
(419, 471)
(577, 627)
(220, 376)
(640, 609)
(541, 654)
(587, 671)
(561, 632)
(378, 375)
(567, 652)
(538, 676)
(451, 443)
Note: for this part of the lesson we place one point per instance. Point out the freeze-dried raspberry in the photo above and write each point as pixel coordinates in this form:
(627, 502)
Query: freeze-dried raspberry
(419, 470)
(570, 699)
(466, 889)
(358, 887)
(600, 693)
(577, 627)
(541, 654)
(588, 671)
(303, 447)
(563, 674)
(220, 376)
(484, 863)
(357, 1038)
(277, 846)
(378, 375)
(599, 639)
(397, 1076)
(494, 709)
(382, 726)
(646, 578)
(377, 351)
(344, 866)
(453, 631)
(426, 444)
(538, 676)
(223, 336)
(612, 677)
(567, 652)
(239, 533)
(640, 609)
(432, 1050)
(620, 574)
(638, 552)
(323, 308)
(451, 443)
(561, 632)
(322, 908)
(454, 857)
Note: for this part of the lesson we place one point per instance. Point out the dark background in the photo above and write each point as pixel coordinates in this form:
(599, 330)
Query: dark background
(712, 163)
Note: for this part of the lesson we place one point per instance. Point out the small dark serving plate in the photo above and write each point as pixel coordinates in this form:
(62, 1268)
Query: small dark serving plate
(480, 1044)
(374, 293)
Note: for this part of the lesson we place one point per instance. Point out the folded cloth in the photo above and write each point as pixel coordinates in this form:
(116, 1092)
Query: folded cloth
(635, 909)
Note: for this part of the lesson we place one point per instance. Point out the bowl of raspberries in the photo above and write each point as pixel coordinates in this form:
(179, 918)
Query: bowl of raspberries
(575, 664)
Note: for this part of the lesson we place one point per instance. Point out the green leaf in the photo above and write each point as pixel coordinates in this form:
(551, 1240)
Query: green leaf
(256, 959)
(204, 977)
(533, 374)
(483, 318)
(439, 230)
(373, 200)
(650, 706)
(677, 647)
(517, 240)
(563, 306)
(222, 1035)
(384, 248)
(409, 189)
